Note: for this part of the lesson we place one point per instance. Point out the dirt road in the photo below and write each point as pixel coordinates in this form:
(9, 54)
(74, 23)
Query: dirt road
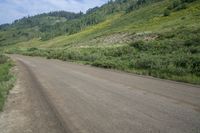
(61, 97)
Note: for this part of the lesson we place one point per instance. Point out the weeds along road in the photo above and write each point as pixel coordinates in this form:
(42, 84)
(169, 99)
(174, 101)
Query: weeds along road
(82, 99)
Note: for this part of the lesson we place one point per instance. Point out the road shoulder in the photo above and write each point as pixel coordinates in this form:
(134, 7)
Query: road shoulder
(26, 110)
(14, 118)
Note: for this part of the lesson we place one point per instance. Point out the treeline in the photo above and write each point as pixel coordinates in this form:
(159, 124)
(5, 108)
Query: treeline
(69, 27)
(45, 19)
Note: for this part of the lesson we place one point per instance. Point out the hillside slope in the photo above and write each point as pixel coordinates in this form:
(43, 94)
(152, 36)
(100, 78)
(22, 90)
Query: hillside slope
(160, 39)
(50, 25)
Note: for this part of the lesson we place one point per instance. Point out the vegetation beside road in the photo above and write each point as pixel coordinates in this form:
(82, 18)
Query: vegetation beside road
(158, 58)
(142, 38)
(6, 79)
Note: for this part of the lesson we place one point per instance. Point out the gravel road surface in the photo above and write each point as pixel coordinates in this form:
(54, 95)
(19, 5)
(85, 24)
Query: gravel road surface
(61, 97)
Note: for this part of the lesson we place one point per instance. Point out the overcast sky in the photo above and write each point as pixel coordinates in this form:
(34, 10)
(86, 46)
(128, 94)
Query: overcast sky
(11, 10)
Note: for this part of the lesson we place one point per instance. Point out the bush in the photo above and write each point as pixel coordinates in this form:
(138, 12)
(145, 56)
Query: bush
(182, 62)
(140, 45)
(145, 63)
(117, 52)
(105, 64)
(195, 65)
(90, 58)
(130, 8)
(3, 59)
(194, 50)
(167, 12)
(188, 1)
(32, 49)
(192, 42)
(182, 6)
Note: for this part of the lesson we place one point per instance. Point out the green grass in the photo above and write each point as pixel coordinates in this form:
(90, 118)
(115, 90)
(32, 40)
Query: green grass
(6, 79)
(174, 56)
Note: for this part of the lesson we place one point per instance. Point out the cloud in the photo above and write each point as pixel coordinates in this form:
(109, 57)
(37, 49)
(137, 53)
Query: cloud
(11, 10)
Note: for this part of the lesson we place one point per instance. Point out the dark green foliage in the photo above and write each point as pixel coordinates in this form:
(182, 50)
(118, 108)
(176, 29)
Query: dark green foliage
(133, 5)
(177, 5)
(195, 65)
(181, 6)
(67, 15)
(188, 1)
(140, 45)
(181, 62)
(166, 12)
(145, 63)
(5, 76)
(193, 42)
(105, 64)
(92, 10)
(194, 50)
(140, 2)
(4, 26)
(130, 8)
(3, 59)
(117, 52)
(32, 49)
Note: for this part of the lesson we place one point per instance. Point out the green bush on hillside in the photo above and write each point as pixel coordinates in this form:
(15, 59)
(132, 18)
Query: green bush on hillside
(166, 12)
(32, 49)
(140, 45)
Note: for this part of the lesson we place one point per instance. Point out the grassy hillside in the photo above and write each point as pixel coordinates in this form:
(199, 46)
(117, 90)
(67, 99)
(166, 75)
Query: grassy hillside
(160, 39)
(44, 26)
(47, 26)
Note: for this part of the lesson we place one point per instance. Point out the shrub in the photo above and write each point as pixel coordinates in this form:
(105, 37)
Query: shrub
(194, 50)
(192, 42)
(182, 62)
(182, 6)
(167, 12)
(188, 1)
(3, 59)
(195, 65)
(105, 64)
(117, 52)
(176, 3)
(32, 49)
(140, 45)
(130, 8)
(145, 63)
(90, 58)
